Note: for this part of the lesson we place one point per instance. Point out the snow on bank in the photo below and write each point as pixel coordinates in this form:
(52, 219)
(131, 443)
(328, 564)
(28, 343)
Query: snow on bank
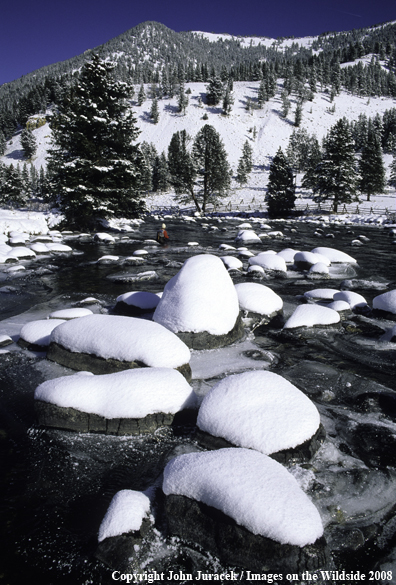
(128, 394)
(253, 489)
(258, 410)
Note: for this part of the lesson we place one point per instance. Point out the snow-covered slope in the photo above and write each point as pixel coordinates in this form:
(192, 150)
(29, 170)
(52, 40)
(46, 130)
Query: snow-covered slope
(271, 130)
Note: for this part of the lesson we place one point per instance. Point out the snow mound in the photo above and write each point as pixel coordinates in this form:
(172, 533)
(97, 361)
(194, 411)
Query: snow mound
(200, 297)
(319, 268)
(67, 314)
(353, 299)
(269, 262)
(311, 258)
(254, 490)
(321, 294)
(126, 512)
(140, 299)
(258, 298)
(231, 263)
(335, 256)
(39, 332)
(123, 338)
(258, 410)
(247, 236)
(288, 255)
(311, 315)
(386, 302)
(129, 394)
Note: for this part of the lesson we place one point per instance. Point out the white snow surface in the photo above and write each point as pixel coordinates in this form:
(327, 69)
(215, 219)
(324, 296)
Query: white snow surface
(250, 487)
(310, 315)
(247, 236)
(67, 314)
(141, 299)
(269, 261)
(39, 332)
(123, 338)
(258, 298)
(352, 298)
(128, 394)
(386, 302)
(311, 258)
(126, 512)
(200, 297)
(334, 255)
(321, 293)
(258, 410)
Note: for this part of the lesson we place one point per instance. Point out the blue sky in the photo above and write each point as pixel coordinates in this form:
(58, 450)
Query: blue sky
(34, 34)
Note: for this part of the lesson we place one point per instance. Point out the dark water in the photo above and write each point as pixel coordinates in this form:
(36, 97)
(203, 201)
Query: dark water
(56, 486)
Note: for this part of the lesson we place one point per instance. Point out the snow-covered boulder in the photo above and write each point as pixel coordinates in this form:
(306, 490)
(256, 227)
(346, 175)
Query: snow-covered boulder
(21, 253)
(288, 255)
(304, 260)
(103, 237)
(67, 314)
(355, 300)
(260, 410)
(319, 270)
(312, 316)
(231, 263)
(200, 304)
(36, 334)
(321, 294)
(136, 401)
(136, 303)
(335, 256)
(220, 498)
(108, 343)
(126, 513)
(247, 235)
(258, 299)
(269, 262)
(385, 304)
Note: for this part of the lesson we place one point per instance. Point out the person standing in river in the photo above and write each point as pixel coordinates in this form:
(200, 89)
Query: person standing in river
(162, 235)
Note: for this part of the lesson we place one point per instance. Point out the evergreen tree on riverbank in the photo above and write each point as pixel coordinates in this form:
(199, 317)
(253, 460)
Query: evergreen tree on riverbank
(280, 189)
(94, 165)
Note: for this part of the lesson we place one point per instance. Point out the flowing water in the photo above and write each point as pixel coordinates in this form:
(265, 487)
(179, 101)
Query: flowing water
(56, 485)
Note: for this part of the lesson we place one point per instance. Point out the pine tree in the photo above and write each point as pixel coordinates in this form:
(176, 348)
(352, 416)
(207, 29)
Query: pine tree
(298, 115)
(212, 166)
(214, 91)
(161, 174)
(141, 96)
(154, 112)
(28, 143)
(262, 95)
(2, 143)
(392, 178)
(371, 167)
(181, 167)
(285, 104)
(182, 101)
(336, 173)
(280, 189)
(228, 101)
(94, 165)
(12, 192)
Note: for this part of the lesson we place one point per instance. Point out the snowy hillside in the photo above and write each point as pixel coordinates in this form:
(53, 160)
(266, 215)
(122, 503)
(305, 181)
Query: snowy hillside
(272, 131)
